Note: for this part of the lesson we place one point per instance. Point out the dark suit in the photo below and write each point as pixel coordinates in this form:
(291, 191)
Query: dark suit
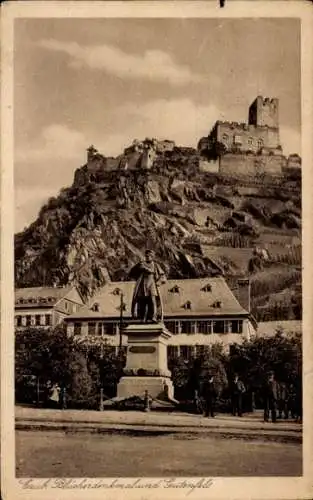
(209, 395)
(270, 400)
(237, 390)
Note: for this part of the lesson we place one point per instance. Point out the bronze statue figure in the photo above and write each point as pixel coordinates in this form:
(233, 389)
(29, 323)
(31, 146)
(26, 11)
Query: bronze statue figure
(146, 303)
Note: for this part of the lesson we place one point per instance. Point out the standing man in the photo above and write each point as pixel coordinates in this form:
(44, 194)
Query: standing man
(270, 398)
(209, 395)
(237, 391)
(146, 298)
(282, 402)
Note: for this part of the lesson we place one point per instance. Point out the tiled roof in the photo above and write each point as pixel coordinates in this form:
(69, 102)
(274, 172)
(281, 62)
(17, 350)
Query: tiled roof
(207, 296)
(38, 296)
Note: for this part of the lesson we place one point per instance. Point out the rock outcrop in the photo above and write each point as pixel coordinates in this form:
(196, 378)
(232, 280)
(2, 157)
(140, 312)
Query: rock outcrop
(98, 228)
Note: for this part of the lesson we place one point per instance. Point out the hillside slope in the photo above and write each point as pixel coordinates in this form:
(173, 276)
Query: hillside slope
(199, 224)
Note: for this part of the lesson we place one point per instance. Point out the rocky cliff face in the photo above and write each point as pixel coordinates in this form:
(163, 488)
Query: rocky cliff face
(197, 223)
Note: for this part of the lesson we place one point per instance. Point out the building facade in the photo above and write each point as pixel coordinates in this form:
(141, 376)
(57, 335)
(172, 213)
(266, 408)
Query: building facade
(45, 307)
(198, 312)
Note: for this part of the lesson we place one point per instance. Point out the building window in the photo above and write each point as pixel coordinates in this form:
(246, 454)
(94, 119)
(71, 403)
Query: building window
(250, 141)
(77, 328)
(207, 288)
(18, 320)
(173, 326)
(48, 319)
(92, 328)
(225, 138)
(110, 328)
(237, 140)
(188, 327)
(38, 319)
(236, 326)
(100, 329)
(186, 351)
(28, 320)
(217, 304)
(175, 289)
(172, 351)
(204, 327)
(218, 326)
(187, 305)
(260, 143)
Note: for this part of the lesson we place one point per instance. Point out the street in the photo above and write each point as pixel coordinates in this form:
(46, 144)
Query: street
(65, 454)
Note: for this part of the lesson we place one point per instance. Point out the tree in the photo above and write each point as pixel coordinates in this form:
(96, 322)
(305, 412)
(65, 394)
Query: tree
(50, 355)
(254, 359)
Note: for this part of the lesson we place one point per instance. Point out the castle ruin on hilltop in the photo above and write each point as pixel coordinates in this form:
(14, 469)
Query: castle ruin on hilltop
(231, 148)
(247, 148)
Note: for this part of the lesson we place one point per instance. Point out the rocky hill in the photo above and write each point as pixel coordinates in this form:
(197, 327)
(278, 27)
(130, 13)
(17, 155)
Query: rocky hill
(199, 224)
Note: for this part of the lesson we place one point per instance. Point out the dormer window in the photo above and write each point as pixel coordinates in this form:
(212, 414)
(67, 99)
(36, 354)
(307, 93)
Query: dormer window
(207, 288)
(95, 307)
(175, 289)
(217, 304)
(116, 291)
(187, 305)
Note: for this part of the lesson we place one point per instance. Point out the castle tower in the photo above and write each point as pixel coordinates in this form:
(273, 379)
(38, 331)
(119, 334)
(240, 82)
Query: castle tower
(264, 112)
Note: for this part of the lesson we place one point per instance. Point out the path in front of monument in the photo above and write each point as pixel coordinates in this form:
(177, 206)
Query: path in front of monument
(60, 454)
(52, 443)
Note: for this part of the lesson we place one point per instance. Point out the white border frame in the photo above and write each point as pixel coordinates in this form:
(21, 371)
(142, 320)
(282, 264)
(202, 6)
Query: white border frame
(241, 488)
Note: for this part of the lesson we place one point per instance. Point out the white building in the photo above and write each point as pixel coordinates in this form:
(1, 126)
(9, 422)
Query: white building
(199, 312)
(45, 306)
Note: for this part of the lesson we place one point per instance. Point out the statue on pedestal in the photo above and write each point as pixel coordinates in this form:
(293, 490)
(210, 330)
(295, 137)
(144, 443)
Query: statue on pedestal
(146, 303)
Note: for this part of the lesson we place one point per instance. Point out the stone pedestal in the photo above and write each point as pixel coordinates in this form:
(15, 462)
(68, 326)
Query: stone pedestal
(146, 363)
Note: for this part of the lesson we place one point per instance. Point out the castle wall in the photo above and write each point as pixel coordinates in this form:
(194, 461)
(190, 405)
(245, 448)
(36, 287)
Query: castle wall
(209, 166)
(251, 165)
(147, 159)
(166, 145)
(111, 163)
(246, 137)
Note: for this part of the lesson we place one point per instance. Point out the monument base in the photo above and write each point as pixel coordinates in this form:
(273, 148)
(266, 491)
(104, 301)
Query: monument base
(158, 387)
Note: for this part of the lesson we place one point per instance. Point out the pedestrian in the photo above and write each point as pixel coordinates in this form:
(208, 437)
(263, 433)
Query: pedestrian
(54, 397)
(270, 398)
(291, 402)
(298, 399)
(237, 391)
(63, 401)
(209, 395)
(197, 402)
(282, 400)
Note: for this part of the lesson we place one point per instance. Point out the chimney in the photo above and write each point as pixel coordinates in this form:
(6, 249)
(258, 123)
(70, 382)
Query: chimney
(243, 293)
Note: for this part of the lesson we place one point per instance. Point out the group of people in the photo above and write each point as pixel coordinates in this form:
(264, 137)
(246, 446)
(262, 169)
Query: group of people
(279, 399)
(282, 400)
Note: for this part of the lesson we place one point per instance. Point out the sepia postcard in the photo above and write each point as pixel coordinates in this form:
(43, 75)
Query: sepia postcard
(156, 249)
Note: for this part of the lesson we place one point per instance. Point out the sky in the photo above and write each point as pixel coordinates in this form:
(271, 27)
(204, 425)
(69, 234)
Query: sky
(108, 81)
